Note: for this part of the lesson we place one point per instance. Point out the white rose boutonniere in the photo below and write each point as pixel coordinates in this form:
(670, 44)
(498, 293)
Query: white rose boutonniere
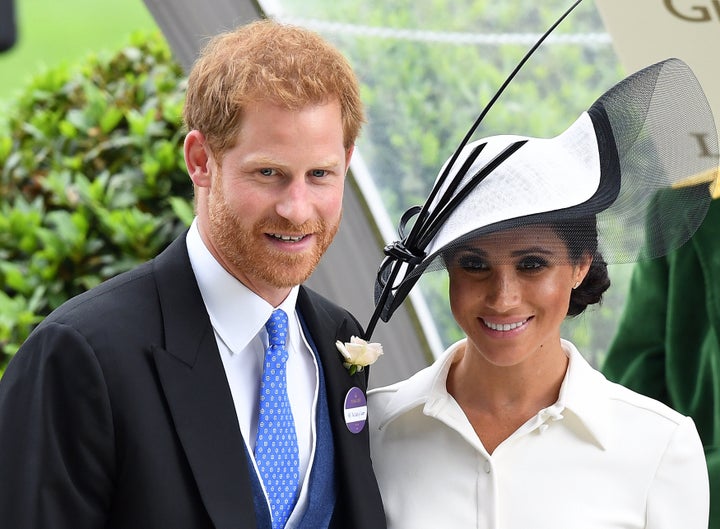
(358, 353)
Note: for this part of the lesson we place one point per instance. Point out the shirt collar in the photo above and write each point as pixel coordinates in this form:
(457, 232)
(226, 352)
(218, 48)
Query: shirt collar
(237, 314)
(425, 388)
(583, 393)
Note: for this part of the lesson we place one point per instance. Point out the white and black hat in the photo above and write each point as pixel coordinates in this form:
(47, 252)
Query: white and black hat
(630, 163)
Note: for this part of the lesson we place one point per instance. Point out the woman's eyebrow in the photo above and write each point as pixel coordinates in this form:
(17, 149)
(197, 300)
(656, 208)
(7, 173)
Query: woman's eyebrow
(532, 250)
(470, 249)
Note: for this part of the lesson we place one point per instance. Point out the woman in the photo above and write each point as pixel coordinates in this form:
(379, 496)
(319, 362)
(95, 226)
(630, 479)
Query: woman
(511, 428)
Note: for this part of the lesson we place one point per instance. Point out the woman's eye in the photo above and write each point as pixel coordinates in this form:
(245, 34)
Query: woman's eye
(471, 262)
(532, 263)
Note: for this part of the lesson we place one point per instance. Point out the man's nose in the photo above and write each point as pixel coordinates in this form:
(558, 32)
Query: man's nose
(294, 203)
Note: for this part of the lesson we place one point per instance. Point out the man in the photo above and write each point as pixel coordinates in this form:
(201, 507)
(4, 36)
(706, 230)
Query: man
(667, 344)
(137, 404)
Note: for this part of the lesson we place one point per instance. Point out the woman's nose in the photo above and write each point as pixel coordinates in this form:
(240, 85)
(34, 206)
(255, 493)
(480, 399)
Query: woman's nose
(503, 291)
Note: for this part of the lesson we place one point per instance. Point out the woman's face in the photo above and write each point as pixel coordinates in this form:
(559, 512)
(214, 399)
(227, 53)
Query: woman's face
(510, 292)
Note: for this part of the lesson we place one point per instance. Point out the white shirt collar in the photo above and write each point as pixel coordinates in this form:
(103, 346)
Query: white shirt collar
(583, 393)
(237, 314)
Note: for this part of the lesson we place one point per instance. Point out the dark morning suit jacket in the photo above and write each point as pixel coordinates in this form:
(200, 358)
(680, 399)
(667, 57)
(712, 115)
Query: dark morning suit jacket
(116, 413)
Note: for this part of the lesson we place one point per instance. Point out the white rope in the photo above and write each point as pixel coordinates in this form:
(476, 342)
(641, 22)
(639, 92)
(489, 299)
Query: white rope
(447, 37)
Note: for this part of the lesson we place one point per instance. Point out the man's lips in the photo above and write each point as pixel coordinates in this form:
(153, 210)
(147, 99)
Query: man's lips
(286, 238)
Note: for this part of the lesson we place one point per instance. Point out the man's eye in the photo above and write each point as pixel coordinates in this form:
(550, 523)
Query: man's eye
(267, 172)
(318, 173)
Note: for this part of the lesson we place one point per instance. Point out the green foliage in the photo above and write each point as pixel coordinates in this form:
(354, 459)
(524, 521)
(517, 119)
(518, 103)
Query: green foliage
(51, 32)
(92, 179)
(423, 95)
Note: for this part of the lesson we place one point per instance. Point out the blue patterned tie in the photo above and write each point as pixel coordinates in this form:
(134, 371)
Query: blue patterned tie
(276, 447)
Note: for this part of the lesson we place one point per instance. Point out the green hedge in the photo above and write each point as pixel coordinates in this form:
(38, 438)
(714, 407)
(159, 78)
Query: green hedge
(92, 180)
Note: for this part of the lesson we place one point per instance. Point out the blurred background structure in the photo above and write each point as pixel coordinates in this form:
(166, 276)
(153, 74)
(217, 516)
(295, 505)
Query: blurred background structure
(8, 32)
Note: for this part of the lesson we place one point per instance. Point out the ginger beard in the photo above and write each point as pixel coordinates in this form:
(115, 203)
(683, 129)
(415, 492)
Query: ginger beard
(246, 247)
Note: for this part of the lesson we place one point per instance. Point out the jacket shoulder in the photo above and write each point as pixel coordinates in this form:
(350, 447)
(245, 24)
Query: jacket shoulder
(309, 299)
(129, 289)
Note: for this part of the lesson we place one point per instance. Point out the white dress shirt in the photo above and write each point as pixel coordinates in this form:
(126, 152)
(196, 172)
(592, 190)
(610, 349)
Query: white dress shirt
(601, 457)
(238, 317)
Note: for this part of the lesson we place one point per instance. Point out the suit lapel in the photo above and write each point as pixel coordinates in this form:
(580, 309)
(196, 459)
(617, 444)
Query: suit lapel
(198, 395)
(359, 503)
(325, 331)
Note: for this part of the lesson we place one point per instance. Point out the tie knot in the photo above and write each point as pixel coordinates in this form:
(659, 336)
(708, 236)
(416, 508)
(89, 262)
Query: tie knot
(277, 328)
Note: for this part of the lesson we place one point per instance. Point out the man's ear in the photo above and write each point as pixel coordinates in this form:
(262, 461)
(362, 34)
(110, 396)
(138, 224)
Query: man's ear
(198, 158)
(348, 156)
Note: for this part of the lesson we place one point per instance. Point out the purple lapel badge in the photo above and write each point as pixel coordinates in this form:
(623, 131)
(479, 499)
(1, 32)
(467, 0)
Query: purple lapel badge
(355, 407)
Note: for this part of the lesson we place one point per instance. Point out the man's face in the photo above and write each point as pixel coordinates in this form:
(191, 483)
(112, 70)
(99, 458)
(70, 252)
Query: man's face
(274, 202)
